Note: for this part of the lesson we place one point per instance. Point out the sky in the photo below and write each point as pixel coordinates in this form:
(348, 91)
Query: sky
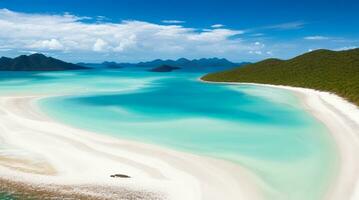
(142, 30)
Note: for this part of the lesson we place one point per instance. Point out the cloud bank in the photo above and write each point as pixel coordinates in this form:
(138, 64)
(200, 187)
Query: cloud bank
(217, 26)
(76, 38)
(173, 21)
(129, 39)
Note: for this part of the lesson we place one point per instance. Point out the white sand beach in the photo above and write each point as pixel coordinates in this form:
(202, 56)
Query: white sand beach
(342, 119)
(40, 151)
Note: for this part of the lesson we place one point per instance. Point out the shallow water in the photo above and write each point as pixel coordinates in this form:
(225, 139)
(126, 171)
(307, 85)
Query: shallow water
(263, 129)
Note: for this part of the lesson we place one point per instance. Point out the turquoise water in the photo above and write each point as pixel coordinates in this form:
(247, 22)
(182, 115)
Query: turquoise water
(263, 129)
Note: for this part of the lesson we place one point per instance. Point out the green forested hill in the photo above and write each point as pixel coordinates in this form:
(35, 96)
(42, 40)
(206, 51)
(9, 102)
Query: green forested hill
(36, 62)
(333, 71)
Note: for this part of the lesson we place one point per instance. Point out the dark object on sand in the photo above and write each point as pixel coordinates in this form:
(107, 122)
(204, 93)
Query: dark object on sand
(120, 176)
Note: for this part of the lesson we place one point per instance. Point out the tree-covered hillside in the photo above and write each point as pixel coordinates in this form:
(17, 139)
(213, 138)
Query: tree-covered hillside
(333, 71)
(36, 62)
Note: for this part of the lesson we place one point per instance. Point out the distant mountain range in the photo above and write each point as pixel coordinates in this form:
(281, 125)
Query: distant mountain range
(40, 62)
(36, 62)
(106, 64)
(204, 64)
(332, 71)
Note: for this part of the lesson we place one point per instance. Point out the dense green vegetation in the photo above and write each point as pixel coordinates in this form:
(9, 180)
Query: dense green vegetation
(36, 62)
(333, 71)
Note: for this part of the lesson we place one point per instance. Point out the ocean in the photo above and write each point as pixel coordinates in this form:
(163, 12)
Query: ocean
(265, 130)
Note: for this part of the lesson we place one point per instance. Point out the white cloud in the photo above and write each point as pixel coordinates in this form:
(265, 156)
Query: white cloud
(214, 35)
(257, 34)
(173, 21)
(259, 44)
(217, 26)
(346, 48)
(100, 18)
(286, 26)
(52, 44)
(29, 52)
(316, 37)
(258, 52)
(100, 45)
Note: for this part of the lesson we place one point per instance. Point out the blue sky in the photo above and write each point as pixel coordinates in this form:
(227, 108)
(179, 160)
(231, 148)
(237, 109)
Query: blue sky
(138, 30)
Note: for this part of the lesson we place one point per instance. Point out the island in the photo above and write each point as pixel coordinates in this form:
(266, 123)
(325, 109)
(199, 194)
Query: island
(36, 62)
(164, 68)
(332, 71)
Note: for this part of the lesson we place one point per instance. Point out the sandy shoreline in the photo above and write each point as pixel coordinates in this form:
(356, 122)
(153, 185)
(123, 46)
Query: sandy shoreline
(53, 157)
(342, 119)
